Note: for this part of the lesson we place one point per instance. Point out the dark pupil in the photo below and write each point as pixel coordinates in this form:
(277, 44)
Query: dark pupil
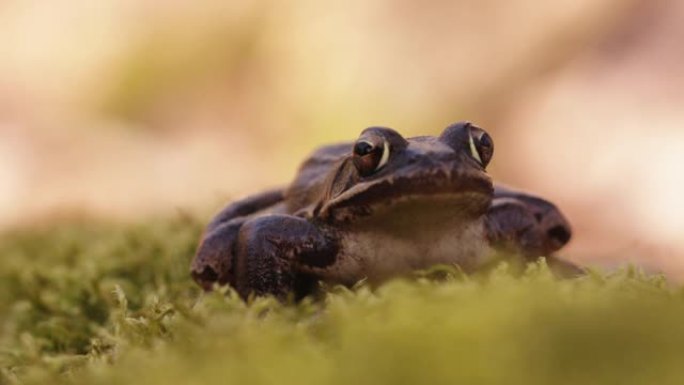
(486, 141)
(363, 148)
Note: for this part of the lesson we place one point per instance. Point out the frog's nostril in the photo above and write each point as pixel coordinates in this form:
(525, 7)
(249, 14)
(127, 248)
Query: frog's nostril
(559, 233)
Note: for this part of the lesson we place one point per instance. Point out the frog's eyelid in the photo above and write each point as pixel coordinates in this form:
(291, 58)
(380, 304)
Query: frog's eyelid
(473, 150)
(385, 155)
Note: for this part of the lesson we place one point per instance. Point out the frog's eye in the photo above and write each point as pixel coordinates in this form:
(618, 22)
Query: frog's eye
(369, 158)
(481, 146)
(468, 138)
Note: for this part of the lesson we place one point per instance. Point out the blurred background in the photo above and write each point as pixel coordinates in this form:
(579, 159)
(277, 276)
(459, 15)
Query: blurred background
(127, 109)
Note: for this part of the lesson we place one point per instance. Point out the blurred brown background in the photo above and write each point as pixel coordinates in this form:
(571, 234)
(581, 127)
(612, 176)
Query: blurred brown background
(125, 109)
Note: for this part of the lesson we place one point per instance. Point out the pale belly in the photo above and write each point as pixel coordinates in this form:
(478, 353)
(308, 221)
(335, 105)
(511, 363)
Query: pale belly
(378, 255)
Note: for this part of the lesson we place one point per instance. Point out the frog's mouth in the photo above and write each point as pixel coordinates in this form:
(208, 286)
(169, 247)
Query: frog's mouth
(470, 192)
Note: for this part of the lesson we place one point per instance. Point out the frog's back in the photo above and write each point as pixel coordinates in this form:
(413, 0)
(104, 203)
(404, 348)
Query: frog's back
(309, 183)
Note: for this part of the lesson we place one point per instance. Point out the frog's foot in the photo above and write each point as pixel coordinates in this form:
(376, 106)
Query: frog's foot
(527, 223)
(529, 226)
(214, 261)
(261, 256)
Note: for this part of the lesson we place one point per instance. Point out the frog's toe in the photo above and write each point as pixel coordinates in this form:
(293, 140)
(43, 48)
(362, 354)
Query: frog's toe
(556, 228)
(215, 258)
(559, 235)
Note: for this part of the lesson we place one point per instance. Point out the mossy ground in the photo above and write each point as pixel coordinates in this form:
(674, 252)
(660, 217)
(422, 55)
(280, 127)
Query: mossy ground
(113, 304)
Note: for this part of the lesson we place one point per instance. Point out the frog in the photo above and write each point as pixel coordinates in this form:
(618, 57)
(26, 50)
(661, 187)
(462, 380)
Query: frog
(378, 208)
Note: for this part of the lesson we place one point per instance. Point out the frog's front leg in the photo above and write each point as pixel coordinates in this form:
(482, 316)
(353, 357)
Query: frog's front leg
(530, 226)
(266, 252)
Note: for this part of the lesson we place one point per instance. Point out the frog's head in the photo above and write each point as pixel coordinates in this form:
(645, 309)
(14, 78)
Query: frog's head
(392, 178)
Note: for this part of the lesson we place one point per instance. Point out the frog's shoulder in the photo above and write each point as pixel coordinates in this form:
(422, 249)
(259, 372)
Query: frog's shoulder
(309, 183)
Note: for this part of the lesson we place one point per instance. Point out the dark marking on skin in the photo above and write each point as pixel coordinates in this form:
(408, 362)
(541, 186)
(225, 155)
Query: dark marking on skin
(304, 285)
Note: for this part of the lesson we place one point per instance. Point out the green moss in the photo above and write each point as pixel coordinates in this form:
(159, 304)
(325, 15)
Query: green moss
(107, 304)
(167, 64)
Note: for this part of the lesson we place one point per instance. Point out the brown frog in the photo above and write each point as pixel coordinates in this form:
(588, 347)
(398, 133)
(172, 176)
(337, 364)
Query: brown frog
(380, 207)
